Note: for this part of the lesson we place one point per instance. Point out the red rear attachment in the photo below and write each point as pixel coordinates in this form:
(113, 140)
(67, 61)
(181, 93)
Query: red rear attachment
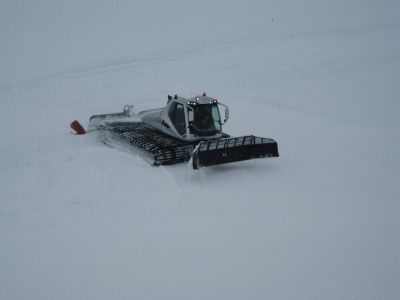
(75, 125)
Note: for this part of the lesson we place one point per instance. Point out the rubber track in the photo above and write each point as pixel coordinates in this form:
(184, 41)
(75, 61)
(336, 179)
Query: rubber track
(163, 148)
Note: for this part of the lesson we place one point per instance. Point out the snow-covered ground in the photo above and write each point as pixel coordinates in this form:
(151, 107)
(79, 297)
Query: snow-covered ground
(79, 220)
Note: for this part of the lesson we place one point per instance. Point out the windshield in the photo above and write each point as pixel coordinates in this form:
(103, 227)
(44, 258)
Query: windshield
(207, 118)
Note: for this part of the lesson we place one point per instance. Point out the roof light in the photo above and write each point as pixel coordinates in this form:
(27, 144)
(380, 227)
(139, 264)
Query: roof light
(204, 94)
(176, 96)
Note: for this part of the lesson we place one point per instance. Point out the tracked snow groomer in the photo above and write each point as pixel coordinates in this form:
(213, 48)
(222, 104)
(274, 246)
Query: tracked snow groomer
(186, 129)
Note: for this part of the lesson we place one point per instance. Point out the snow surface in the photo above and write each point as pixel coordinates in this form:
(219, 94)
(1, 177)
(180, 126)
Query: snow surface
(79, 220)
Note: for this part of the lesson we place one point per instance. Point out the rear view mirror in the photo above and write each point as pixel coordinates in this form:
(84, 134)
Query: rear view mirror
(226, 114)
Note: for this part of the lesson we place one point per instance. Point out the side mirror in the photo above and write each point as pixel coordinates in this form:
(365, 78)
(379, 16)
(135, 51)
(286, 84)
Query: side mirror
(226, 113)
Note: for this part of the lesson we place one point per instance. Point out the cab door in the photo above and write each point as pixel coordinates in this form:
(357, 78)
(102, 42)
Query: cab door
(177, 116)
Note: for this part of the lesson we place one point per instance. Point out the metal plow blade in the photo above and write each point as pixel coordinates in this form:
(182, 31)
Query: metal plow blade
(228, 150)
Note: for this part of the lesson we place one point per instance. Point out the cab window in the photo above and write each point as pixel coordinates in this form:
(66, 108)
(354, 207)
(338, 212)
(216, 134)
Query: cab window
(177, 116)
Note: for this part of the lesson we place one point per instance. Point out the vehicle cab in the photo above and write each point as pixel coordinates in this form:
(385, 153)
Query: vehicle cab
(193, 119)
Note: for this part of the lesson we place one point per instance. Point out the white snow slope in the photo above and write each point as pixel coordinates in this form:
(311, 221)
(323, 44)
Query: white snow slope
(79, 220)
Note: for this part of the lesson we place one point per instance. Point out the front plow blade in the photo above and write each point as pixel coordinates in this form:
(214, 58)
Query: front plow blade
(228, 150)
